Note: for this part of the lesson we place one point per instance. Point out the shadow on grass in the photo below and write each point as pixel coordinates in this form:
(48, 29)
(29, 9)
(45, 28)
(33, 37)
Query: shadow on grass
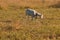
(1, 8)
(7, 28)
(55, 5)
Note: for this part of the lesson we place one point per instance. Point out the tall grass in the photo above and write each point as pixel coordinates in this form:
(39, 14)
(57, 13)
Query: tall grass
(14, 25)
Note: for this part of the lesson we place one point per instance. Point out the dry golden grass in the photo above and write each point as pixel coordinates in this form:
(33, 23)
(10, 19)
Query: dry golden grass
(15, 26)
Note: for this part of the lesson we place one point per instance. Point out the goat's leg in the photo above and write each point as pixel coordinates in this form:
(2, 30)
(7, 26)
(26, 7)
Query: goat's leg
(35, 17)
(32, 17)
(28, 17)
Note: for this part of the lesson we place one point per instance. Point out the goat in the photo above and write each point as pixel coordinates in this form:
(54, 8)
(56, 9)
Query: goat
(33, 13)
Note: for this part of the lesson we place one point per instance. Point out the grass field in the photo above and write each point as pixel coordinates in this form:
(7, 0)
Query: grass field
(15, 26)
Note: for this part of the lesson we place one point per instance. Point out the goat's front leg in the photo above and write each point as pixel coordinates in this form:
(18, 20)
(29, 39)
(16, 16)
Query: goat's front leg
(28, 17)
(35, 17)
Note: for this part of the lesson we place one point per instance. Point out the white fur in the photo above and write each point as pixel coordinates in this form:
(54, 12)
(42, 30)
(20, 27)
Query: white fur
(31, 12)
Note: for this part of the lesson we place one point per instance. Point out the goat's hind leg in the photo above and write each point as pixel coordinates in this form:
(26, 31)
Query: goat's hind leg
(32, 18)
(28, 17)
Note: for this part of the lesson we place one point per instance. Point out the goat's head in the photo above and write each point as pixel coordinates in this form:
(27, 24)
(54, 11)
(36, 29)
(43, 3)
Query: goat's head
(40, 15)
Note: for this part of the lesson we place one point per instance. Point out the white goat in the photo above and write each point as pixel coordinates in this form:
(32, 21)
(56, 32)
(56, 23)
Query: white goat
(33, 13)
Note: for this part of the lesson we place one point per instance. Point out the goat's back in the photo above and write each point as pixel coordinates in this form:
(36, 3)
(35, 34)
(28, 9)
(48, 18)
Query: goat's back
(29, 12)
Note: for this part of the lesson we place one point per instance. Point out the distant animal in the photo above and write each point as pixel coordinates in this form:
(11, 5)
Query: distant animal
(33, 13)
